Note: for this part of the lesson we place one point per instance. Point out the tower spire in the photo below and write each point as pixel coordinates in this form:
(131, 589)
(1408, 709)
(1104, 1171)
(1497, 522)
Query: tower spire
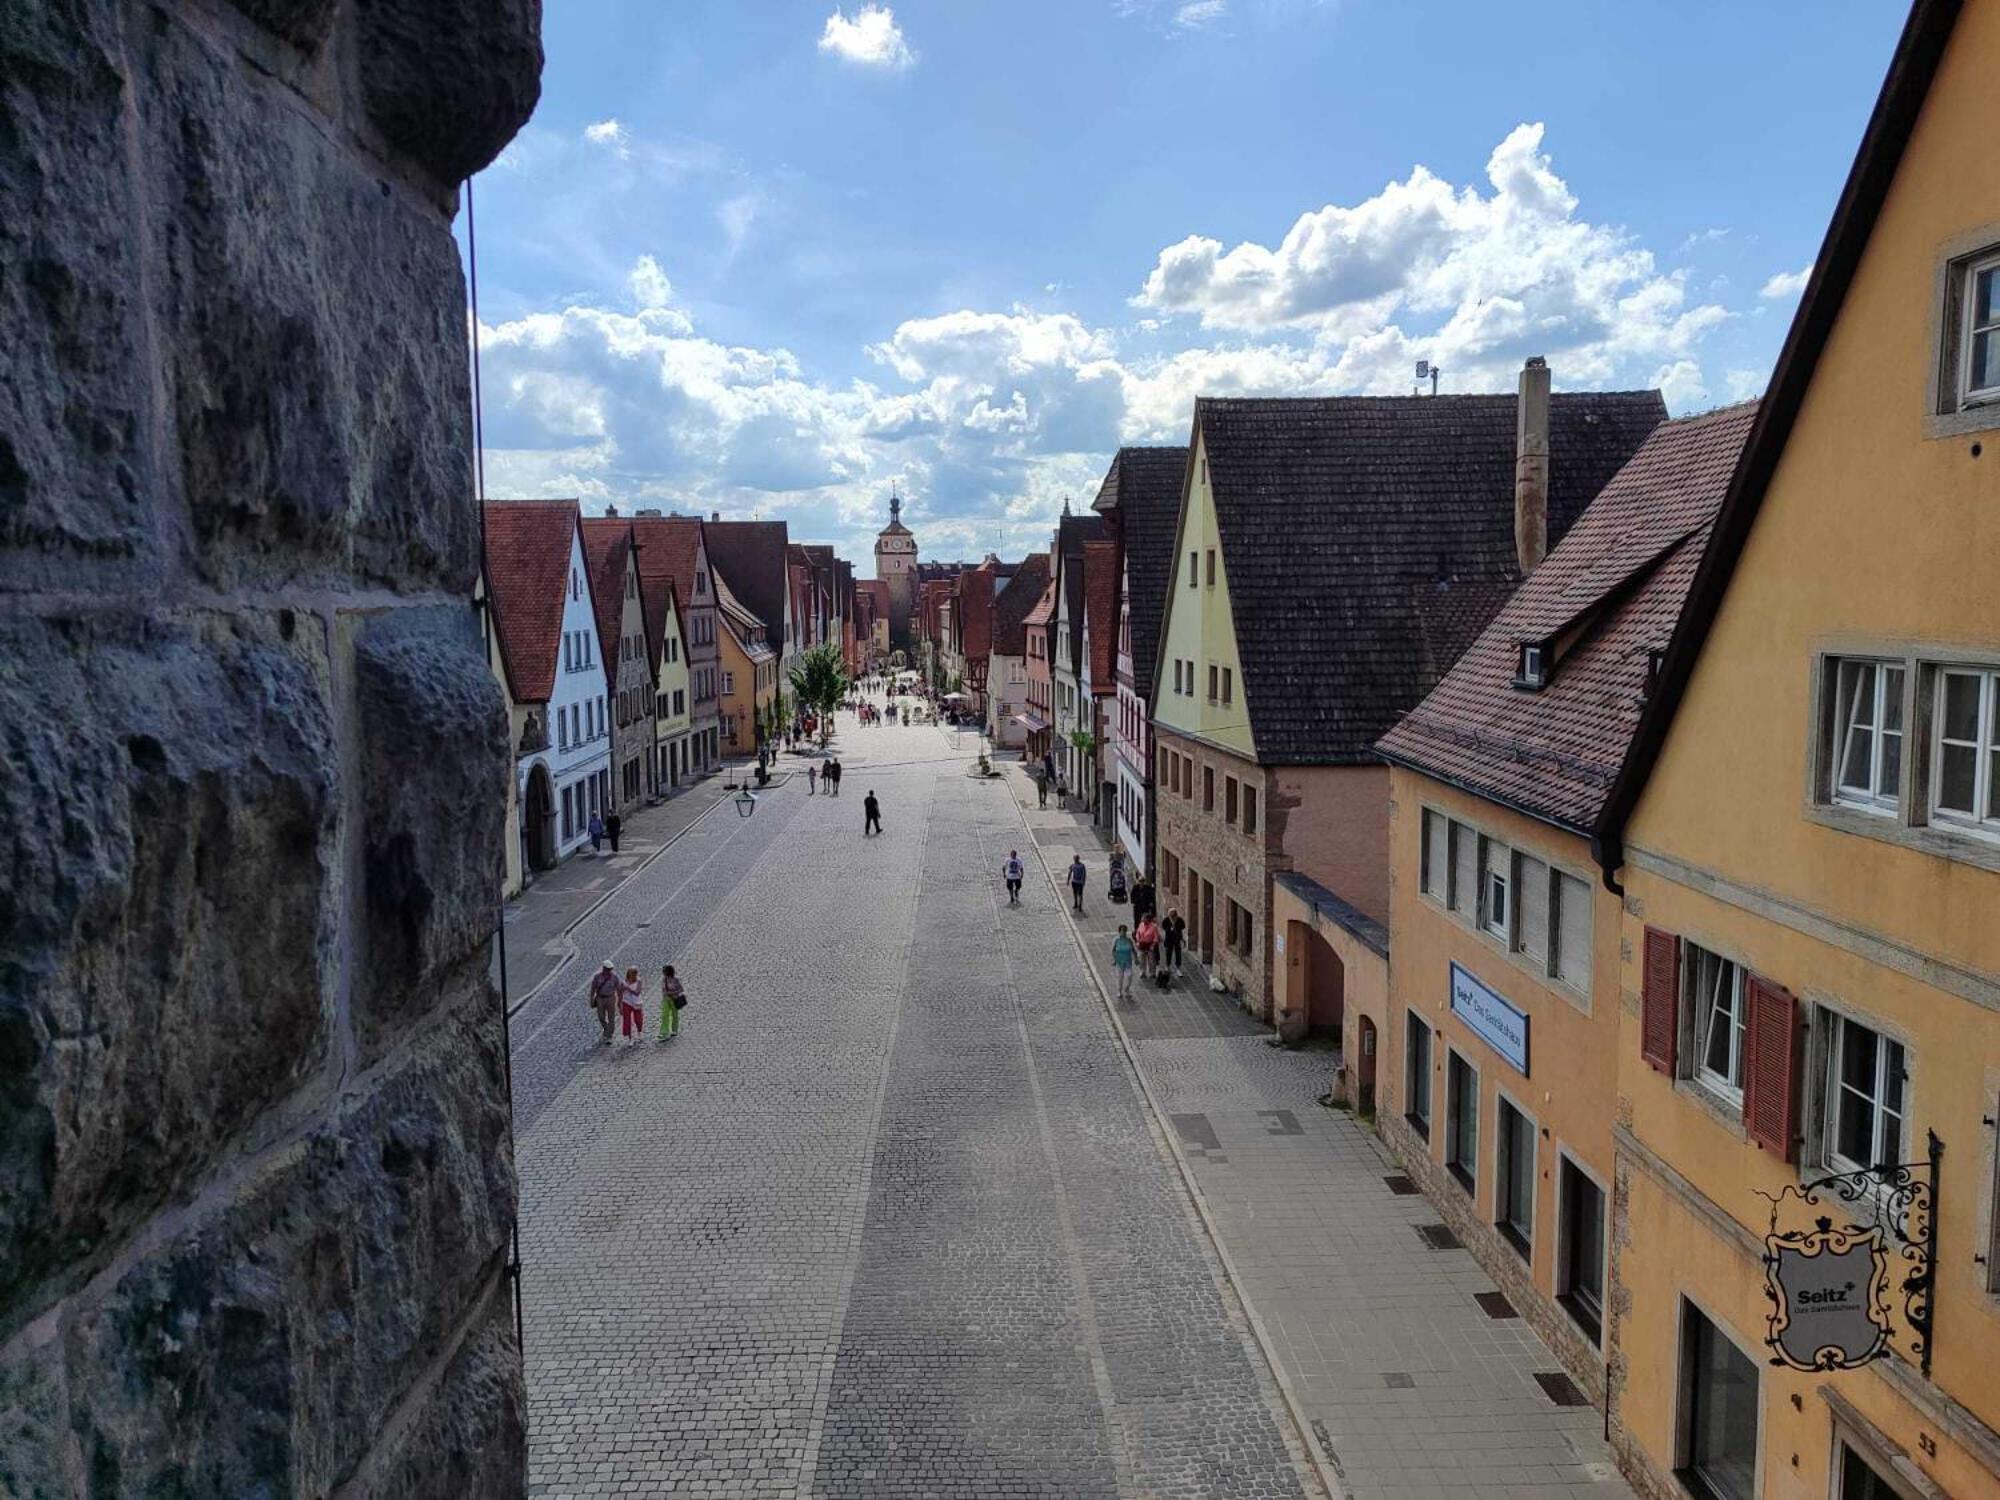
(895, 505)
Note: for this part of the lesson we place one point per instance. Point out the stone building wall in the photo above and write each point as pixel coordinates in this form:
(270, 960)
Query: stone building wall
(1237, 864)
(256, 1179)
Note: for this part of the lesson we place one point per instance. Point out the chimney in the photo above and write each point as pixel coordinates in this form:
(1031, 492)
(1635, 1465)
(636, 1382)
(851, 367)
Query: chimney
(611, 512)
(716, 515)
(1531, 465)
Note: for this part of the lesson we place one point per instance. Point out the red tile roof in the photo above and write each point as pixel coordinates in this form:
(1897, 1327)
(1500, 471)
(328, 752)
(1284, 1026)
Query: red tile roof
(528, 546)
(607, 549)
(1100, 599)
(1600, 604)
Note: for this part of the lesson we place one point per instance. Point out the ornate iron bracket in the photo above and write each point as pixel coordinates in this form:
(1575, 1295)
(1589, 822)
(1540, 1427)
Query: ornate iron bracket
(1901, 1198)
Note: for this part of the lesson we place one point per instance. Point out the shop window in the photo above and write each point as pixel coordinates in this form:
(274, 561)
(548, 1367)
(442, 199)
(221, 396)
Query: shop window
(1514, 1176)
(1461, 1121)
(1580, 1250)
(1718, 1415)
(1417, 1074)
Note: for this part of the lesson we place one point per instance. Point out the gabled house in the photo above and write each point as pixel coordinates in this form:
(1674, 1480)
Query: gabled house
(1493, 1059)
(674, 547)
(622, 630)
(1806, 836)
(752, 555)
(1075, 770)
(749, 674)
(1097, 678)
(1141, 496)
(666, 633)
(544, 611)
(1038, 646)
(1333, 556)
(1009, 707)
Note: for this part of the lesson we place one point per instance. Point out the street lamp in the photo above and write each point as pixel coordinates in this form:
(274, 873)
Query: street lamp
(746, 803)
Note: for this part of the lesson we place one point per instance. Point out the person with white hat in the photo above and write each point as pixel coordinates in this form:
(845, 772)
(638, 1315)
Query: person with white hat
(606, 991)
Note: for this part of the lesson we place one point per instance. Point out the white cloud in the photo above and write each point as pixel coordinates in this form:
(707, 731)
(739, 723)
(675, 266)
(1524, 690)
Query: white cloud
(1682, 384)
(1786, 284)
(872, 38)
(1496, 275)
(611, 135)
(1743, 384)
(1195, 14)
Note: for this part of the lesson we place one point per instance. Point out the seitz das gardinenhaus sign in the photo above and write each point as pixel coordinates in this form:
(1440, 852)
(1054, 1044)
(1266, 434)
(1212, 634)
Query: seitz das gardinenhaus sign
(1833, 1284)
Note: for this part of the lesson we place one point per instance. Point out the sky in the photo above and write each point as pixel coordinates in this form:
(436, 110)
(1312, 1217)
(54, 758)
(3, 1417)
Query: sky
(773, 258)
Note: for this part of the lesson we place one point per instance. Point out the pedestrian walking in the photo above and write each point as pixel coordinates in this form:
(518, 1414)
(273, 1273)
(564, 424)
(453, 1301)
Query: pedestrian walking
(1173, 939)
(1123, 951)
(812, 780)
(631, 1010)
(871, 810)
(1042, 788)
(1145, 900)
(604, 992)
(613, 826)
(833, 776)
(1147, 936)
(596, 834)
(673, 996)
(1077, 876)
(1012, 871)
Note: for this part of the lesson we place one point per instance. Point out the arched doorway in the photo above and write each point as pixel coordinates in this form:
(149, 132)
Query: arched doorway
(538, 819)
(1321, 986)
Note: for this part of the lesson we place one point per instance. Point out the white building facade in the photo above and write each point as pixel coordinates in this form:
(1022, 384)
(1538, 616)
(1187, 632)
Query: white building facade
(568, 777)
(1131, 743)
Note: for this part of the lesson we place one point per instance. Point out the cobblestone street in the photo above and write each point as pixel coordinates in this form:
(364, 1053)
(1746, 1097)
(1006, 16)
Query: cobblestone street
(891, 1216)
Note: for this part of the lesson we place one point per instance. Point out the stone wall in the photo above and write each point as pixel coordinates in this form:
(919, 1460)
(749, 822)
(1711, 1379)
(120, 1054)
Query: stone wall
(1235, 863)
(256, 1179)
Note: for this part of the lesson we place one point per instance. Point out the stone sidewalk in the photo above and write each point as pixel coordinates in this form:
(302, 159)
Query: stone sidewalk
(538, 922)
(1413, 1388)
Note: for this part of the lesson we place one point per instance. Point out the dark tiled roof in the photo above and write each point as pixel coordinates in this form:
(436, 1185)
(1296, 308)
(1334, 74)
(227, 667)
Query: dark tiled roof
(607, 548)
(1605, 599)
(527, 567)
(1100, 590)
(1367, 541)
(1372, 934)
(751, 555)
(1143, 488)
(1072, 532)
(1016, 602)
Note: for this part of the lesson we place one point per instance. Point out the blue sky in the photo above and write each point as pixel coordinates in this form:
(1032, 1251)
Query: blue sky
(770, 257)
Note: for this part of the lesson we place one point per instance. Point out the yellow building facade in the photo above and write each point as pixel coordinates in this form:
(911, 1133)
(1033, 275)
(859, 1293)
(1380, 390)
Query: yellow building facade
(1808, 844)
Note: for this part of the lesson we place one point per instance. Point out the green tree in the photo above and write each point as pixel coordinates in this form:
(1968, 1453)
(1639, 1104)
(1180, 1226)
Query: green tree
(820, 683)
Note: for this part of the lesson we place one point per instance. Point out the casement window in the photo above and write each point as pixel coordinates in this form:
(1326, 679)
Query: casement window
(729, 682)
(1965, 775)
(1434, 877)
(1580, 1250)
(1865, 1104)
(1866, 753)
(1464, 871)
(1731, 1032)
(1514, 1177)
(1211, 567)
(1229, 800)
(568, 821)
(1461, 1121)
(1572, 944)
(1531, 907)
(1249, 809)
(1208, 788)
(1717, 1441)
(1496, 870)
(1977, 291)
(1212, 677)
(1417, 1074)
(1194, 575)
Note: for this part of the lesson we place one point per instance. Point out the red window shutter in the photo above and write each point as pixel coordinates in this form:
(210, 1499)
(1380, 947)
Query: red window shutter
(1659, 1005)
(1770, 1071)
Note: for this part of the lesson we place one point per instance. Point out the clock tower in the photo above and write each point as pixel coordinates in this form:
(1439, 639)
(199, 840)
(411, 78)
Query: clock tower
(896, 565)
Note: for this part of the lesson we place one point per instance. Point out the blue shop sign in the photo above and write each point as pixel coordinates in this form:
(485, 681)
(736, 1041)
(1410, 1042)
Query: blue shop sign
(1503, 1027)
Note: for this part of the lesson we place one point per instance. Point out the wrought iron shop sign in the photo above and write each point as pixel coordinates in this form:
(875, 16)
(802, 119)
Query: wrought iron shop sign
(1833, 1285)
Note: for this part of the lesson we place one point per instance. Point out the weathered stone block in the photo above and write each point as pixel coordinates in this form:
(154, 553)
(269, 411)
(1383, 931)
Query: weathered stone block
(166, 916)
(434, 764)
(314, 325)
(73, 472)
(450, 81)
(303, 23)
(34, 1423)
(262, 1350)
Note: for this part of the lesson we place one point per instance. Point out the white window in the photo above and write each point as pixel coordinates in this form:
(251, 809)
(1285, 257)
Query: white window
(1572, 945)
(729, 682)
(1495, 886)
(1979, 378)
(1868, 733)
(1437, 838)
(1531, 907)
(1965, 773)
(1715, 1000)
(1865, 1104)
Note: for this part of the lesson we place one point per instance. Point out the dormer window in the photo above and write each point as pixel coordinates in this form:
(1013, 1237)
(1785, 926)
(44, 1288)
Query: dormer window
(1531, 669)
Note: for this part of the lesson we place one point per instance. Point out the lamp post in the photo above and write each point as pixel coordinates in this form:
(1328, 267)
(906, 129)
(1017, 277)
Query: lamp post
(746, 803)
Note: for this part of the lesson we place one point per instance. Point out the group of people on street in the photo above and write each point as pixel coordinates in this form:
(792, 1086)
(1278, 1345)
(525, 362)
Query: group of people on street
(605, 828)
(827, 776)
(620, 1002)
(1155, 950)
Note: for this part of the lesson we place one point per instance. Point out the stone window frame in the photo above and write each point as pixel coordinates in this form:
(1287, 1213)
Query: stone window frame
(1501, 1229)
(1891, 1463)
(1945, 413)
(1468, 1181)
(1565, 1155)
(1686, 1300)
(1420, 1125)
(1908, 823)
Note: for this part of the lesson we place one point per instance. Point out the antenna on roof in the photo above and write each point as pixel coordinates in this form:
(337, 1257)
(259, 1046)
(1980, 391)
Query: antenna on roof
(1428, 371)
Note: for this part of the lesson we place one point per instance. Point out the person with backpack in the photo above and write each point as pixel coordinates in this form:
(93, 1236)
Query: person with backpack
(1123, 951)
(673, 996)
(1077, 876)
(1012, 871)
